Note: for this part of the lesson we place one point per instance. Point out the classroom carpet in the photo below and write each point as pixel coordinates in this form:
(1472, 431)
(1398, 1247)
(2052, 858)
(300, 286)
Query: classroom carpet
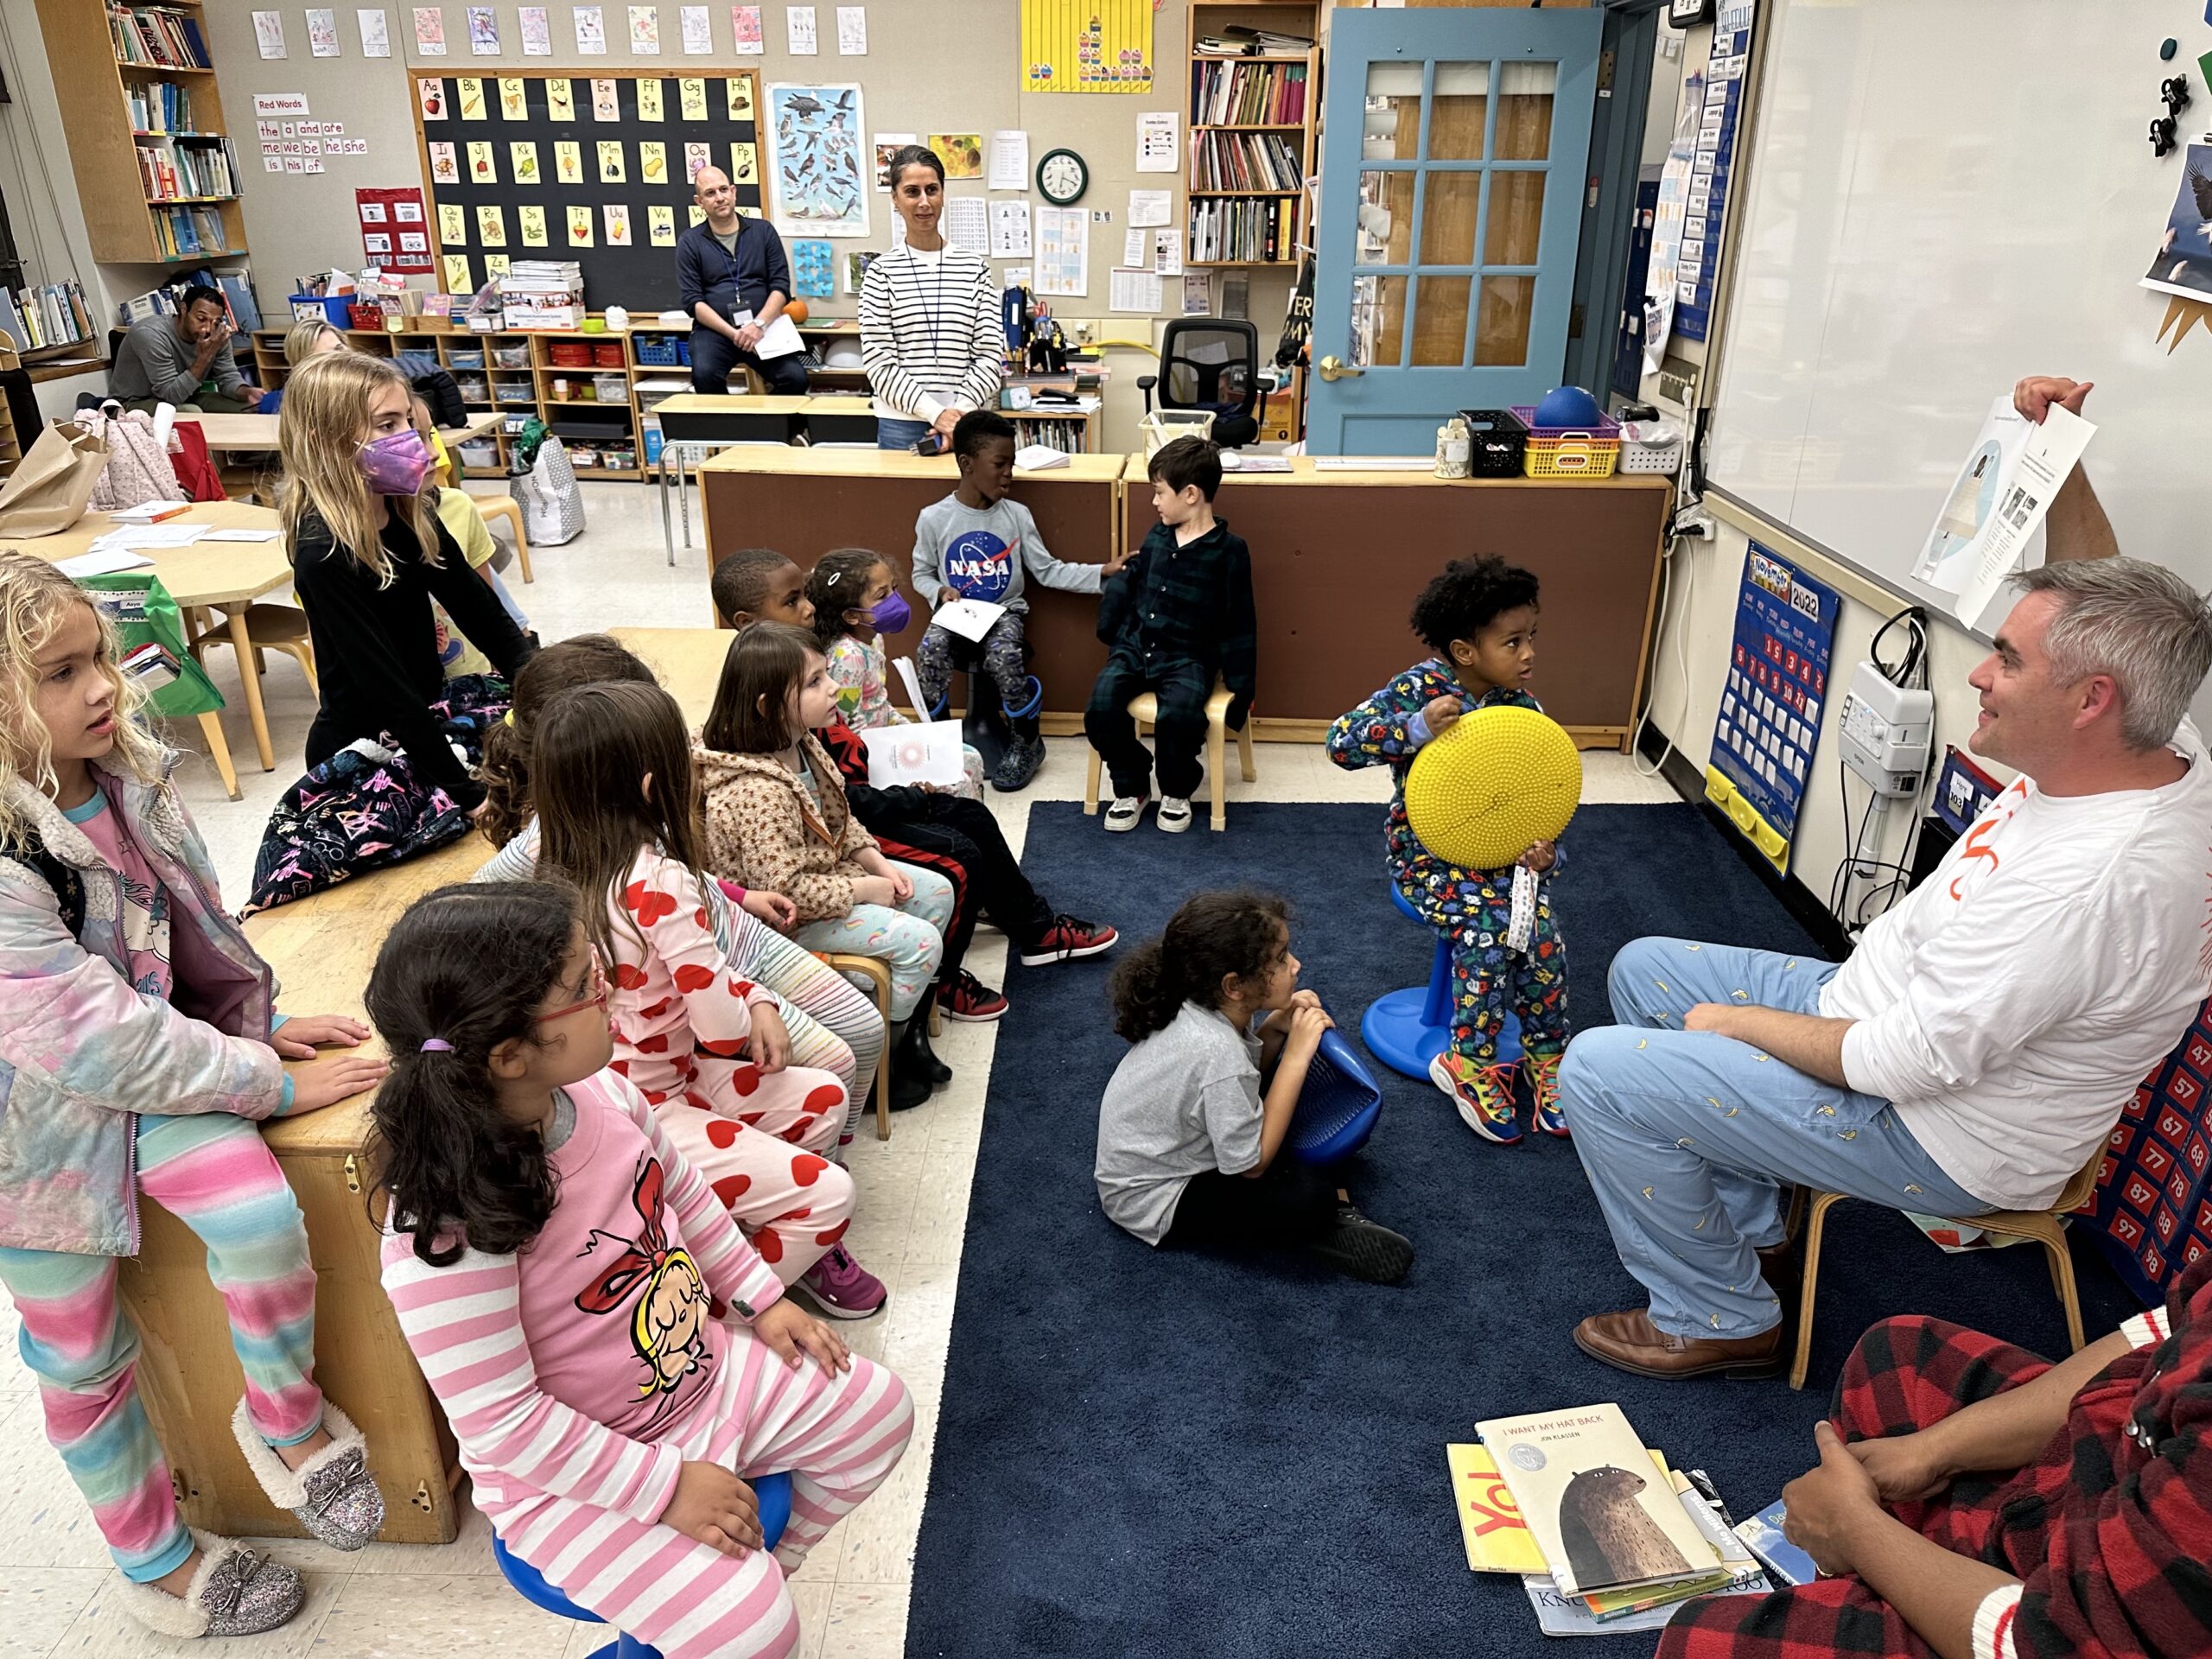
(1148, 1453)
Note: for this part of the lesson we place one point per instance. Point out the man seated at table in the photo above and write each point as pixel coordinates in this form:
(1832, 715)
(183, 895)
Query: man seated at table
(730, 268)
(1977, 1047)
(185, 359)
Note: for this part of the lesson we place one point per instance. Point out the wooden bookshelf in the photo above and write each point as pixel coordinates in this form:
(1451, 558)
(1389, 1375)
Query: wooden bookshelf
(1261, 80)
(11, 443)
(104, 142)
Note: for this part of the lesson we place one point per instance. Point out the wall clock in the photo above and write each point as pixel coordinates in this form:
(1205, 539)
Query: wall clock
(1062, 176)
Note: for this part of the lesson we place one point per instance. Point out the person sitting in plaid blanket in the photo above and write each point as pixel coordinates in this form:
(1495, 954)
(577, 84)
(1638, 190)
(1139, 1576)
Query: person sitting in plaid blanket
(1976, 1502)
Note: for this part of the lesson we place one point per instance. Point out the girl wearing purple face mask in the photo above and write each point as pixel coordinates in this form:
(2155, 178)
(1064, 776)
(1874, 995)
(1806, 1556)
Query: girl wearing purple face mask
(369, 555)
(856, 602)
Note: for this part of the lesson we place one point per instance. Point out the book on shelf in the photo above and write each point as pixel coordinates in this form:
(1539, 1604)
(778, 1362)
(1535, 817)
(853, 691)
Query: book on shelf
(235, 286)
(1244, 161)
(159, 106)
(1602, 1517)
(189, 232)
(157, 36)
(53, 314)
(1244, 230)
(1238, 42)
(182, 168)
(1248, 94)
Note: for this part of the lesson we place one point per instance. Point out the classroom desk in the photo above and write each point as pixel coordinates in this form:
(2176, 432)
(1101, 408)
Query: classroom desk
(321, 949)
(693, 422)
(1331, 629)
(220, 576)
(228, 433)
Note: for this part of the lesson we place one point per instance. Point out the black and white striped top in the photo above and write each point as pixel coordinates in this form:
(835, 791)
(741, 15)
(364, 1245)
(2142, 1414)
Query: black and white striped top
(930, 333)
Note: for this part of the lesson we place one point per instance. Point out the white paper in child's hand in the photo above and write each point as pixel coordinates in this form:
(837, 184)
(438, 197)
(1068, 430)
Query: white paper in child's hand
(927, 752)
(971, 619)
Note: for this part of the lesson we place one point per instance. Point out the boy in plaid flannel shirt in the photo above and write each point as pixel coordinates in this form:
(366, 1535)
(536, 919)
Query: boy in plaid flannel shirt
(1178, 613)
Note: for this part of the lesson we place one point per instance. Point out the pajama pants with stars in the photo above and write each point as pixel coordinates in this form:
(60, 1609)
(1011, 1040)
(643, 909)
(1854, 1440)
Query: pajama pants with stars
(766, 1154)
(1688, 1136)
(1474, 911)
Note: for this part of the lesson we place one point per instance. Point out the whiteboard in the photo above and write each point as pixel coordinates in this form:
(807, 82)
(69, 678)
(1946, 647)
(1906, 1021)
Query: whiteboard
(1945, 195)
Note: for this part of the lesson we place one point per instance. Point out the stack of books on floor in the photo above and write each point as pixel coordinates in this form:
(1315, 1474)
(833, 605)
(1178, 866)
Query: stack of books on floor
(1605, 1537)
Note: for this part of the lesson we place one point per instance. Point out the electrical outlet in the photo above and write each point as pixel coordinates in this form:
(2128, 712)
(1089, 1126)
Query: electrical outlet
(1080, 331)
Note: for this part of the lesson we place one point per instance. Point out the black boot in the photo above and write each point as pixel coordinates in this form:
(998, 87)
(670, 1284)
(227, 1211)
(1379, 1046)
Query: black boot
(1026, 752)
(914, 1070)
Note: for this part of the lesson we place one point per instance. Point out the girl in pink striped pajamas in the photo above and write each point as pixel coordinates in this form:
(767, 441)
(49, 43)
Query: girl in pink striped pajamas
(138, 1043)
(614, 1357)
(699, 1037)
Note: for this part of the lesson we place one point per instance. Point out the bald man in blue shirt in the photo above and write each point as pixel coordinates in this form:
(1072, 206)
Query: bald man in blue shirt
(727, 267)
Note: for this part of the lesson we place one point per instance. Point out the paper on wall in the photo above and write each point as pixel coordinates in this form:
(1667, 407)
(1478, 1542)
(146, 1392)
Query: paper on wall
(745, 30)
(645, 31)
(1137, 248)
(1063, 252)
(376, 33)
(268, 33)
(1149, 207)
(1197, 297)
(1009, 164)
(1167, 253)
(1134, 290)
(536, 32)
(698, 30)
(1009, 231)
(1156, 145)
(967, 225)
(971, 619)
(591, 30)
(322, 32)
(852, 31)
(430, 31)
(798, 31)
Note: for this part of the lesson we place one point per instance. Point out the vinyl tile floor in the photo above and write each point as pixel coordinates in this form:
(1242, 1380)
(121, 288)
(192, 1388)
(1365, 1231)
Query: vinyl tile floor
(56, 1586)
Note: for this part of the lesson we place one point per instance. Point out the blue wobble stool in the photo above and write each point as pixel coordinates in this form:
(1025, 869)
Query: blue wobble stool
(774, 1495)
(1408, 1029)
(1337, 1108)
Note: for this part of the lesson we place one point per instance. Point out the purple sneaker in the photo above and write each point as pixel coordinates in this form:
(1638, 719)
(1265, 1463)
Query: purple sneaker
(840, 1288)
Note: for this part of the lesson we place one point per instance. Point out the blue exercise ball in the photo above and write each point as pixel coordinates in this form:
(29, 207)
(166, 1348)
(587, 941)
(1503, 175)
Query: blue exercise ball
(1568, 406)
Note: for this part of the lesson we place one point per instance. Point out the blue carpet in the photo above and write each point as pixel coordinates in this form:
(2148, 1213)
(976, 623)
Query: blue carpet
(1147, 1453)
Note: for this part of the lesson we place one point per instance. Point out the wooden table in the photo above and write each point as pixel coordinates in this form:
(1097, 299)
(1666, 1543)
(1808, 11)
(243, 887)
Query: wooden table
(693, 422)
(229, 433)
(804, 502)
(206, 576)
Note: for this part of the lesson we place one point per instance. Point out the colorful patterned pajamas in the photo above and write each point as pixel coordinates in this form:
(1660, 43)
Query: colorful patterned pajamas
(1688, 1136)
(910, 938)
(214, 1173)
(834, 1027)
(864, 701)
(1473, 910)
(770, 1164)
(1005, 658)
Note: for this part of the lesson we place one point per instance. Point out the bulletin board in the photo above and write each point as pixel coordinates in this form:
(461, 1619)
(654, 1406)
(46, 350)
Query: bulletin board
(510, 109)
(1771, 705)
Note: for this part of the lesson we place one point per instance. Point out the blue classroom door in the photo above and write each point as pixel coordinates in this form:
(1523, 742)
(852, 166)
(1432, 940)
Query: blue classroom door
(1452, 175)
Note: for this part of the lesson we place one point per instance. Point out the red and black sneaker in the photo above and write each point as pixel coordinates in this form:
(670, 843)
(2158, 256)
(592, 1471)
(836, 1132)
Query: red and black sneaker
(1066, 939)
(967, 998)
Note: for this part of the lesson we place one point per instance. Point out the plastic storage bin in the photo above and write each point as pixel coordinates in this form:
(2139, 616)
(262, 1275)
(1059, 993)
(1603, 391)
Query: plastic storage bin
(465, 359)
(611, 387)
(474, 388)
(605, 355)
(307, 308)
(516, 356)
(1641, 454)
(1570, 452)
(480, 456)
(510, 391)
(658, 351)
(1497, 441)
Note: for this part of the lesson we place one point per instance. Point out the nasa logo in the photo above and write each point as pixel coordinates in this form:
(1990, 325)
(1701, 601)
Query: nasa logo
(976, 566)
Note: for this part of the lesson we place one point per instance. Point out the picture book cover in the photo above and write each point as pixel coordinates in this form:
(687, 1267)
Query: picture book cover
(1761, 1535)
(1603, 1518)
(1491, 1526)
(1736, 1562)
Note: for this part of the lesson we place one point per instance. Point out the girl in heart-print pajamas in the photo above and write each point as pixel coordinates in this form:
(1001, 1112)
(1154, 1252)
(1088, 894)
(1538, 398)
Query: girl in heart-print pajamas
(681, 1019)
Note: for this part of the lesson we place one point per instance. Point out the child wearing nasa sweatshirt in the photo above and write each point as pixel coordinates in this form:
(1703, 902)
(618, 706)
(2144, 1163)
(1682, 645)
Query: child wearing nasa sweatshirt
(977, 543)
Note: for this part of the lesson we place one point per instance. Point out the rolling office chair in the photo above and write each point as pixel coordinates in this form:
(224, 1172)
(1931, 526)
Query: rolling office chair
(1212, 364)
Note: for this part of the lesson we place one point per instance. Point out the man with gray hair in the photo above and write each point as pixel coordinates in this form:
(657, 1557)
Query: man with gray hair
(1976, 1049)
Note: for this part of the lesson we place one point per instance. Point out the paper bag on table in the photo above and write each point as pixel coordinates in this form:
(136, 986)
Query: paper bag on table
(925, 752)
(50, 487)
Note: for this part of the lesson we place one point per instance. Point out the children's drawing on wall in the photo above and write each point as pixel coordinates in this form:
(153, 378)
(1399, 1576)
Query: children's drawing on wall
(820, 189)
(961, 152)
(810, 268)
(2183, 263)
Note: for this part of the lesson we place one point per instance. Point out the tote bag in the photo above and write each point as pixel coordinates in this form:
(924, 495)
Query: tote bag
(49, 488)
(144, 615)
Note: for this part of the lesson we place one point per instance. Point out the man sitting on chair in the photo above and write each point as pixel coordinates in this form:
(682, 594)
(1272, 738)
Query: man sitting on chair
(1979, 1044)
(730, 267)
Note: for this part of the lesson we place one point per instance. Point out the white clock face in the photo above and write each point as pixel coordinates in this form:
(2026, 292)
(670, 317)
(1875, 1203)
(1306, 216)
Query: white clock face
(1062, 177)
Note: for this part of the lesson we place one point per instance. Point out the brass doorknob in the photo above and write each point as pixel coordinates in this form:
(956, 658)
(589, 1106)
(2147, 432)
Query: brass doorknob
(1335, 368)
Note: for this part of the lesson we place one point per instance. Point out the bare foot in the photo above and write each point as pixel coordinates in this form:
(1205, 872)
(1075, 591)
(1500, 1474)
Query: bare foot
(294, 1456)
(179, 1582)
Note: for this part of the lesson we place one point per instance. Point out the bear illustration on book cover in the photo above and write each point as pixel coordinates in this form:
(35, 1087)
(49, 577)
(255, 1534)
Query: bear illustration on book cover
(1608, 1537)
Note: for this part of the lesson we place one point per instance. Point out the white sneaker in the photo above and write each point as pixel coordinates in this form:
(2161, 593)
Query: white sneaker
(1175, 814)
(1125, 812)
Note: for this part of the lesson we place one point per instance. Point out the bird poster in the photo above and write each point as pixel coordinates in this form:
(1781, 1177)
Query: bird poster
(2183, 266)
(820, 166)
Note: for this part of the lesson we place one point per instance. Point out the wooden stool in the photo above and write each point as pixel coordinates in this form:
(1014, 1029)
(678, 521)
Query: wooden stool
(2046, 1227)
(1144, 709)
(878, 973)
(505, 507)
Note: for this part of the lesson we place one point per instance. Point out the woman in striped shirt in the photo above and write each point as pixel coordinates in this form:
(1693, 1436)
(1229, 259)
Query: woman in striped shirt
(930, 333)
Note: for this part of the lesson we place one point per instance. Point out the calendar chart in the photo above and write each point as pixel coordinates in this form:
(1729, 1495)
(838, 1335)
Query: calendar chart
(1771, 705)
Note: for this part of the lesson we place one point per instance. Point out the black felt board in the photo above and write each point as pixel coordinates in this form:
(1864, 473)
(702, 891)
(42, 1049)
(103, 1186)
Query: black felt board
(640, 277)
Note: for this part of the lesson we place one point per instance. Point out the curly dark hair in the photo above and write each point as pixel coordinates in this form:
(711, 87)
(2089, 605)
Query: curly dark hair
(1467, 598)
(1212, 936)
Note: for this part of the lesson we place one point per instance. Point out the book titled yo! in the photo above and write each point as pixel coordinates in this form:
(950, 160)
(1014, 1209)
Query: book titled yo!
(1585, 1485)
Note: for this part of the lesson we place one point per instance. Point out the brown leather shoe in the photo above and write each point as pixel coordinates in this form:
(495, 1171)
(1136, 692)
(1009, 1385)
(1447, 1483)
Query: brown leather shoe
(1629, 1340)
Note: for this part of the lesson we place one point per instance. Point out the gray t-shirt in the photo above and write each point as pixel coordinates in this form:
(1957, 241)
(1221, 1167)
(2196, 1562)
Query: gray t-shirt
(1184, 1101)
(964, 552)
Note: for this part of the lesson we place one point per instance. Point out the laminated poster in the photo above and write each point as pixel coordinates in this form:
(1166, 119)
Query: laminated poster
(820, 189)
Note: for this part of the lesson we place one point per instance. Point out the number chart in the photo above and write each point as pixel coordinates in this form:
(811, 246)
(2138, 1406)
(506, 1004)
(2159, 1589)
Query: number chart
(1770, 706)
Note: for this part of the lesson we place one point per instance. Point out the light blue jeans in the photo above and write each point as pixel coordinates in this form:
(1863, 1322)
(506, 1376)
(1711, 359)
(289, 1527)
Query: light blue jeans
(1688, 1136)
(899, 435)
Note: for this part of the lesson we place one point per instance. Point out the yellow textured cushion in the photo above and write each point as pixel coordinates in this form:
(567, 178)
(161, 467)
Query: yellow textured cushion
(1498, 781)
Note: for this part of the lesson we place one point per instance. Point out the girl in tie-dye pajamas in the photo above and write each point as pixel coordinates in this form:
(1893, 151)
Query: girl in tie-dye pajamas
(616, 1361)
(138, 1044)
(704, 1043)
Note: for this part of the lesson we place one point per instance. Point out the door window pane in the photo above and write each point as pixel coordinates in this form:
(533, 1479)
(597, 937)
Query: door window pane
(1455, 124)
(1391, 128)
(1384, 234)
(1440, 321)
(1447, 218)
(1524, 110)
(1502, 336)
(1378, 321)
(1516, 218)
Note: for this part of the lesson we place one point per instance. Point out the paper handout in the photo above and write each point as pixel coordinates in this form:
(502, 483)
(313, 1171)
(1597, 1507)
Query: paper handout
(1997, 502)
(925, 752)
(971, 619)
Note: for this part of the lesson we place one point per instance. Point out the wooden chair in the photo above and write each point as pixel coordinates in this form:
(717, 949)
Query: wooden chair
(2046, 1227)
(505, 507)
(878, 973)
(269, 627)
(1144, 709)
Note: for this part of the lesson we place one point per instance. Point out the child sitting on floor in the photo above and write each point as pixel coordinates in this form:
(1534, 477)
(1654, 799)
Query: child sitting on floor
(977, 543)
(857, 601)
(1180, 614)
(615, 1359)
(1187, 1145)
(776, 815)
(1479, 617)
